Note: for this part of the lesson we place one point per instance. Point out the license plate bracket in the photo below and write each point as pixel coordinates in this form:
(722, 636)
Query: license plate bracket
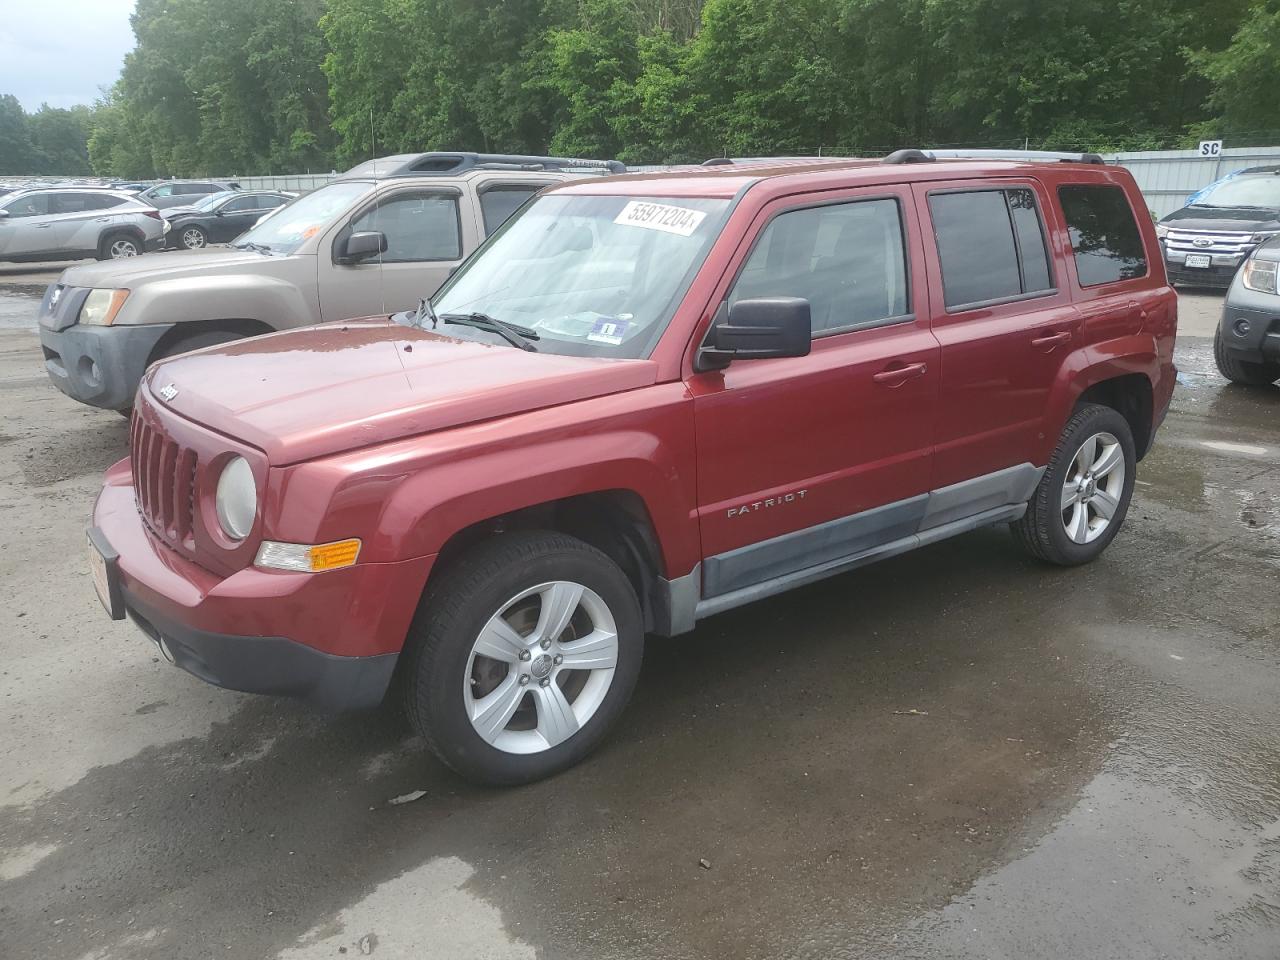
(1201, 260)
(104, 565)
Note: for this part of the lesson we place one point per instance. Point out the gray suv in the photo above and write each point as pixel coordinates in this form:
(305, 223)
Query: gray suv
(183, 193)
(373, 241)
(71, 223)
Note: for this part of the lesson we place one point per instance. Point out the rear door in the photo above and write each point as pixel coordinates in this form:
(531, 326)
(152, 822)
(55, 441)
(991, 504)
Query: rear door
(804, 461)
(1003, 316)
(426, 239)
(233, 217)
(81, 217)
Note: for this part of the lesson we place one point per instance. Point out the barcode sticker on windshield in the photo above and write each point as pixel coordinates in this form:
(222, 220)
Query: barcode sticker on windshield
(660, 216)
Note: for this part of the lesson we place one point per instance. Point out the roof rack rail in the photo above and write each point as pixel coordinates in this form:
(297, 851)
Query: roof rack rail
(452, 163)
(1038, 156)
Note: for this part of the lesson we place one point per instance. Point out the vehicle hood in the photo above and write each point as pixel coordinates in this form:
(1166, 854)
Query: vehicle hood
(1226, 219)
(169, 266)
(326, 389)
(1269, 250)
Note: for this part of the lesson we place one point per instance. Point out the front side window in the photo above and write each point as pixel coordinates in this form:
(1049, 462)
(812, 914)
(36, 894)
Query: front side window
(157, 192)
(306, 216)
(1104, 234)
(990, 244)
(847, 259)
(497, 204)
(418, 226)
(592, 276)
(33, 205)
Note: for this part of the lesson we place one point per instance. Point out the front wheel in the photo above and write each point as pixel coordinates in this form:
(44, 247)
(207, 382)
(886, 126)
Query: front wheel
(522, 656)
(1083, 497)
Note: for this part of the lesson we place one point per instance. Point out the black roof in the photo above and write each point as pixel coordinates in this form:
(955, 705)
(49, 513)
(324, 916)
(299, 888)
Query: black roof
(447, 164)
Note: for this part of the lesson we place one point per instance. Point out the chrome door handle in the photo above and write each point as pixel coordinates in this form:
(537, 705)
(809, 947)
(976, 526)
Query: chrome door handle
(1053, 340)
(894, 376)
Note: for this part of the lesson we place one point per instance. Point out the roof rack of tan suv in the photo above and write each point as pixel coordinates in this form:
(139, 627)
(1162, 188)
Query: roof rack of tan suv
(452, 163)
(1034, 156)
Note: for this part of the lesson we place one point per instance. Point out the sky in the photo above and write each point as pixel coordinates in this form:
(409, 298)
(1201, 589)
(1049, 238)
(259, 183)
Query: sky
(62, 52)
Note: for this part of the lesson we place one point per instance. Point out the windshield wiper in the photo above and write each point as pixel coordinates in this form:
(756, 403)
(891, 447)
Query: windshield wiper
(513, 333)
(255, 247)
(424, 312)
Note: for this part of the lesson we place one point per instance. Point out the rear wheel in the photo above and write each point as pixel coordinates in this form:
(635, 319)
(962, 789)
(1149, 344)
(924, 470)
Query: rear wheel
(193, 238)
(119, 246)
(1242, 371)
(1083, 497)
(522, 657)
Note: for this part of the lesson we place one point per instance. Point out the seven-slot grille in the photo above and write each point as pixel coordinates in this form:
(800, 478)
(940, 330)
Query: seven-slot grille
(164, 479)
(1221, 244)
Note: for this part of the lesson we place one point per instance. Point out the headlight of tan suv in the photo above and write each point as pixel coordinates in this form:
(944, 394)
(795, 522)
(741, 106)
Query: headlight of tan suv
(101, 306)
(237, 499)
(1260, 275)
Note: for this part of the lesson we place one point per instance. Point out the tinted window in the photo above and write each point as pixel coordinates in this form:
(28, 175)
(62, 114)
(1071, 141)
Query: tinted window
(193, 188)
(418, 226)
(241, 204)
(846, 259)
(990, 244)
(499, 203)
(163, 191)
(269, 202)
(1104, 234)
(76, 202)
(34, 205)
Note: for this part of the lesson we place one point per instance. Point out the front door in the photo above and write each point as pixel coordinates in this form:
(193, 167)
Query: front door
(426, 240)
(806, 461)
(30, 228)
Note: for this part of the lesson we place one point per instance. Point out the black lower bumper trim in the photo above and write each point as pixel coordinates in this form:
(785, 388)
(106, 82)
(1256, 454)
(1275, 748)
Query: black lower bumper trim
(271, 665)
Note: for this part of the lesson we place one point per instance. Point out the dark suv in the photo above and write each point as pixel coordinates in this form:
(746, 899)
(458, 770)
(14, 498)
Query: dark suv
(1206, 241)
(645, 400)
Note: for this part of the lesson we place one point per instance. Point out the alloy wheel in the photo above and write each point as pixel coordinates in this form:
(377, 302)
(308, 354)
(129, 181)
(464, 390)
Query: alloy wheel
(541, 667)
(193, 239)
(1093, 487)
(121, 249)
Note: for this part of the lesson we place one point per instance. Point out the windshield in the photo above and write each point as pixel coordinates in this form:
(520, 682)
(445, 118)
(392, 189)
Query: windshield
(206, 203)
(592, 276)
(1257, 190)
(305, 217)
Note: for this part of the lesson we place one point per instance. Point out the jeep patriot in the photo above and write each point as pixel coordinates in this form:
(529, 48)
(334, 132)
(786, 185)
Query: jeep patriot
(646, 399)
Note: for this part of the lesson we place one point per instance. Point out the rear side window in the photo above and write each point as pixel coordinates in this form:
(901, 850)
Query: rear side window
(497, 204)
(847, 259)
(78, 202)
(991, 246)
(1104, 234)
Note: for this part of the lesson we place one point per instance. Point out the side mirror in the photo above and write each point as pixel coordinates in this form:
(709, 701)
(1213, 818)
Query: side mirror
(219, 212)
(757, 329)
(4, 214)
(361, 246)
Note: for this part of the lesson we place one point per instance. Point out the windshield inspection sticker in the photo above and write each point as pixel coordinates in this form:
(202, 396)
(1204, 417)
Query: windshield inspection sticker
(660, 216)
(609, 331)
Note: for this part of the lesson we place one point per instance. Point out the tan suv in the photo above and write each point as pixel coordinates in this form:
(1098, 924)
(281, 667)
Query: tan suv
(375, 240)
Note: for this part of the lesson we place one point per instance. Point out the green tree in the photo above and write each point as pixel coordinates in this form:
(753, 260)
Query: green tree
(17, 153)
(1245, 74)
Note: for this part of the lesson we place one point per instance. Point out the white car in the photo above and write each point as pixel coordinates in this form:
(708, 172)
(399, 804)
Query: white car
(71, 223)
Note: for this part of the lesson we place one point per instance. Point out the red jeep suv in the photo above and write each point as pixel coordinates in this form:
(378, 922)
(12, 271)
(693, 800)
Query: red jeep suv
(645, 400)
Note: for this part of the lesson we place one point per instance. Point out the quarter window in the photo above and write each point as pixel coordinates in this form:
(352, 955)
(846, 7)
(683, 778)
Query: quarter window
(848, 260)
(497, 204)
(1104, 234)
(418, 227)
(991, 246)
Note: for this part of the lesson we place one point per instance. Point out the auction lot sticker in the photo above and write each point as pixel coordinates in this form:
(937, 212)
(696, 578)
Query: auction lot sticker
(660, 216)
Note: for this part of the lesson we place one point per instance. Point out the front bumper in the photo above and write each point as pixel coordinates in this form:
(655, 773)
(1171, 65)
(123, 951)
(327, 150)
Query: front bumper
(331, 639)
(1218, 275)
(1250, 326)
(100, 366)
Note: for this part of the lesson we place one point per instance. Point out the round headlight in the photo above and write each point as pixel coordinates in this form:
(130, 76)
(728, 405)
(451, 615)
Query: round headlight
(237, 499)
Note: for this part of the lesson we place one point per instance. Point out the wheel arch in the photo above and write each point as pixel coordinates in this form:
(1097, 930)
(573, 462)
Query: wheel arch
(241, 326)
(1131, 395)
(616, 522)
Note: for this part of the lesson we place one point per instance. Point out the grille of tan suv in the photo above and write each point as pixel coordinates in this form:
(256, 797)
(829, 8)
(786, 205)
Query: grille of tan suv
(164, 480)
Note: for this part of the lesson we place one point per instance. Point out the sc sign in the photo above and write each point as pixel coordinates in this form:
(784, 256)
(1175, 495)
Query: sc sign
(1212, 149)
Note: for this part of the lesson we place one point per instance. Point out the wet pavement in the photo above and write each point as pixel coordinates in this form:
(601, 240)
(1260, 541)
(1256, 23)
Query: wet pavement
(955, 753)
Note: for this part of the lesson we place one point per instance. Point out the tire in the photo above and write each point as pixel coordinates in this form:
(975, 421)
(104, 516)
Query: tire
(192, 238)
(1053, 529)
(1242, 371)
(115, 246)
(446, 680)
(194, 341)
